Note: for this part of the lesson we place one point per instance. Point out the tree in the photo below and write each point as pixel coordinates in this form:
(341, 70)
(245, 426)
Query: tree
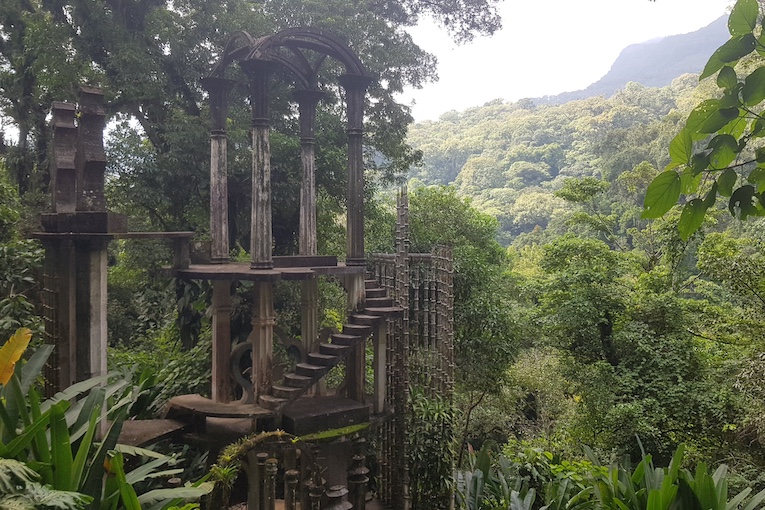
(719, 151)
(149, 56)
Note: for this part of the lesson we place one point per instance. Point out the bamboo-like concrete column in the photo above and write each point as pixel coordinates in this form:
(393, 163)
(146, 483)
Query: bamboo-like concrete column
(218, 89)
(307, 102)
(262, 337)
(355, 89)
(261, 235)
(221, 341)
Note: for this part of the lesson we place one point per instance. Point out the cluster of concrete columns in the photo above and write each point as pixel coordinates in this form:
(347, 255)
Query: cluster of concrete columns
(259, 73)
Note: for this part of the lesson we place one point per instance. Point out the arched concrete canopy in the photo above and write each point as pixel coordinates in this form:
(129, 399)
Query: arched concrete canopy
(288, 49)
(302, 51)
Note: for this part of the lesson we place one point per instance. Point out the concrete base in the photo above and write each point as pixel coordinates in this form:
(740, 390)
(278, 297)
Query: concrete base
(314, 414)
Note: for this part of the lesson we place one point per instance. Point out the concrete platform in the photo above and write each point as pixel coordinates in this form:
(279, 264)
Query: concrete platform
(314, 414)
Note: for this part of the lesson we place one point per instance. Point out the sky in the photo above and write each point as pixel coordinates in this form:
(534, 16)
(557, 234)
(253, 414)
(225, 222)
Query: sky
(545, 48)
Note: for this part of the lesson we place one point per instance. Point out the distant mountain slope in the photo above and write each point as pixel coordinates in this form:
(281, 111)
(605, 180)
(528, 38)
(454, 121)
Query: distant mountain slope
(654, 63)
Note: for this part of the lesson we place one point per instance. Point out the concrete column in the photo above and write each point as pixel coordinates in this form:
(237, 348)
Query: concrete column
(261, 235)
(355, 89)
(91, 157)
(91, 330)
(309, 314)
(262, 336)
(63, 168)
(307, 102)
(218, 89)
(221, 341)
(380, 339)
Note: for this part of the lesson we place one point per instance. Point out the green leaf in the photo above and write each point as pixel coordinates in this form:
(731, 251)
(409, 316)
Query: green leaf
(708, 117)
(724, 150)
(61, 449)
(741, 199)
(726, 181)
(689, 181)
(755, 501)
(757, 177)
(187, 493)
(735, 48)
(680, 149)
(727, 78)
(691, 218)
(743, 17)
(758, 128)
(754, 87)
(662, 194)
(78, 466)
(711, 197)
(699, 163)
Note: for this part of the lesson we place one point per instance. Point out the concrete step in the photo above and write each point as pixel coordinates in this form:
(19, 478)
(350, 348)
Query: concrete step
(384, 311)
(326, 360)
(378, 302)
(308, 370)
(378, 292)
(365, 319)
(371, 284)
(346, 340)
(285, 392)
(337, 350)
(271, 402)
(357, 330)
(297, 381)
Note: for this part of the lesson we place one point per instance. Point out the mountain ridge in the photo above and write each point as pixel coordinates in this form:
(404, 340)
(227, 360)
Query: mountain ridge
(653, 63)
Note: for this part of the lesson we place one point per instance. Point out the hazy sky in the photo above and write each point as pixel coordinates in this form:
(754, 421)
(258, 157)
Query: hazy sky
(547, 47)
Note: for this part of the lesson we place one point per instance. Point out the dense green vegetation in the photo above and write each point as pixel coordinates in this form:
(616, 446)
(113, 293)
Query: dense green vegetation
(591, 336)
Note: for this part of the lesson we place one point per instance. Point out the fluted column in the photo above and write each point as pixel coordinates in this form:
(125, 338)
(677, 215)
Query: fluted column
(218, 89)
(261, 235)
(307, 102)
(355, 89)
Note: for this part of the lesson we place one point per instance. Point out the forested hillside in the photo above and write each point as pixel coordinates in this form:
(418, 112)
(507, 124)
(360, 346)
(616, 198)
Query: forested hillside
(512, 158)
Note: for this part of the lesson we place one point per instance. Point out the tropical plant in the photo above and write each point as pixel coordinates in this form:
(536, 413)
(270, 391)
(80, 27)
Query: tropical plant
(493, 484)
(57, 438)
(719, 150)
(647, 487)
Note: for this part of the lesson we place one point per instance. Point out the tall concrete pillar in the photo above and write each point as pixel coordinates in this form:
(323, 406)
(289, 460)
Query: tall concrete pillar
(261, 235)
(355, 89)
(307, 102)
(218, 89)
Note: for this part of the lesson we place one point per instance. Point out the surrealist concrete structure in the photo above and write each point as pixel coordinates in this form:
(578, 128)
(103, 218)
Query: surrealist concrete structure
(399, 305)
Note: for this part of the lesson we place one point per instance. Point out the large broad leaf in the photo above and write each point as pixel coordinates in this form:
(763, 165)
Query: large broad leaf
(735, 48)
(680, 149)
(708, 117)
(691, 218)
(757, 177)
(185, 493)
(727, 78)
(11, 352)
(742, 199)
(726, 181)
(743, 17)
(661, 194)
(61, 448)
(724, 150)
(754, 87)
